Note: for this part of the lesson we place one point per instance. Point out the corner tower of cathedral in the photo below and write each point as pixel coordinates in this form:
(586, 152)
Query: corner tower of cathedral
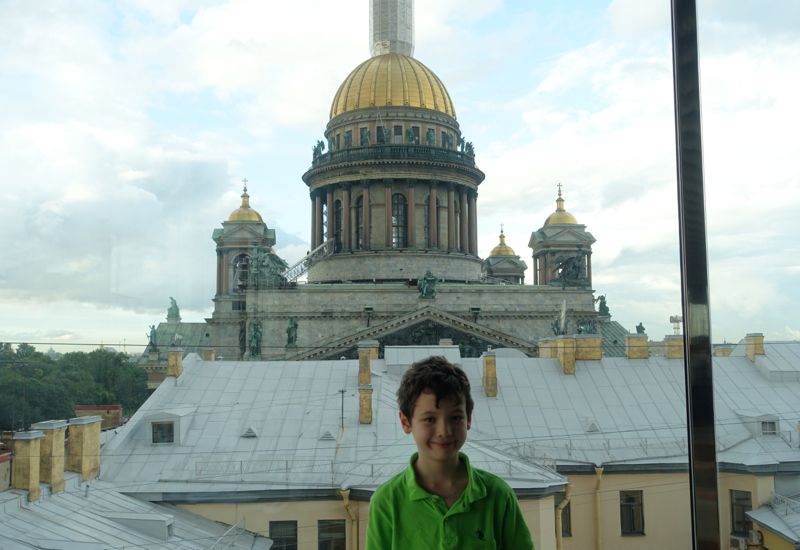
(397, 182)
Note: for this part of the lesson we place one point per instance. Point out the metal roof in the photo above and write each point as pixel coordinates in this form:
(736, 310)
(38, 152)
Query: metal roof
(101, 518)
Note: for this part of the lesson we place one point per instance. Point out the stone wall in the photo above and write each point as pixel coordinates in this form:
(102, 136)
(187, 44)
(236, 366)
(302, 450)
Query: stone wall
(395, 265)
(328, 312)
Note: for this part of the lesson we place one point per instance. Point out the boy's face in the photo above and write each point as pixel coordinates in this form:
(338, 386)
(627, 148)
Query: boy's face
(438, 432)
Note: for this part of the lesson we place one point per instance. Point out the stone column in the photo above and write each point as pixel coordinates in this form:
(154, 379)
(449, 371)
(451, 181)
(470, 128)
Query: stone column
(225, 283)
(589, 267)
(318, 217)
(366, 216)
(464, 219)
(412, 214)
(451, 216)
(346, 217)
(473, 223)
(387, 226)
(25, 472)
(51, 450)
(433, 221)
(331, 213)
(219, 271)
(313, 220)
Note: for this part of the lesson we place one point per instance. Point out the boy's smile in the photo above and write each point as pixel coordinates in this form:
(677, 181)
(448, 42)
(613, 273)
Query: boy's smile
(439, 432)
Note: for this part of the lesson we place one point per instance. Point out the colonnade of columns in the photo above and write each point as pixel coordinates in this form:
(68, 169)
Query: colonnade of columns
(465, 235)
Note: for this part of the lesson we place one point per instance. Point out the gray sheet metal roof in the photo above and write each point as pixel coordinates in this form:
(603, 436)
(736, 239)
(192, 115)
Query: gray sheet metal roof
(104, 519)
(619, 413)
(193, 339)
(614, 339)
(781, 516)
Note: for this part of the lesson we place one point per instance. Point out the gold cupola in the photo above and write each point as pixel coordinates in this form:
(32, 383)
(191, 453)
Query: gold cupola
(392, 79)
(244, 213)
(560, 216)
(502, 249)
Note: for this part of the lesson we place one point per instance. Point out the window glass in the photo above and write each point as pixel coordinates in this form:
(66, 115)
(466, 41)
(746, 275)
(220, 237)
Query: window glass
(566, 515)
(741, 503)
(631, 512)
(399, 221)
(398, 134)
(415, 130)
(332, 534)
(359, 222)
(283, 535)
(163, 432)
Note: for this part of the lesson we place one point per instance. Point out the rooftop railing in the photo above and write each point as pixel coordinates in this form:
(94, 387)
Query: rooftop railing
(394, 152)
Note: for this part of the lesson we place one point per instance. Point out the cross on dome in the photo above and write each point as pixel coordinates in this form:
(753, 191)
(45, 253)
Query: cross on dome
(244, 181)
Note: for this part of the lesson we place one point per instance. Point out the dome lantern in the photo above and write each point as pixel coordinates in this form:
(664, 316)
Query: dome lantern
(560, 216)
(244, 213)
(502, 249)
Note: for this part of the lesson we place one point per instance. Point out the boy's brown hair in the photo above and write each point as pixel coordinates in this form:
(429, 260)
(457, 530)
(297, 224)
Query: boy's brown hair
(434, 375)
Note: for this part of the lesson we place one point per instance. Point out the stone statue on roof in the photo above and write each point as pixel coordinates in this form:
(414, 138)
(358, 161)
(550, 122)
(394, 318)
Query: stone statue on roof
(640, 328)
(242, 338)
(426, 286)
(255, 339)
(174, 310)
(291, 332)
(430, 137)
(152, 337)
(602, 308)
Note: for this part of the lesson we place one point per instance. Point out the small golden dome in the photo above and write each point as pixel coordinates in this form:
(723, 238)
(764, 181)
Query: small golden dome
(244, 213)
(502, 249)
(560, 215)
(392, 79)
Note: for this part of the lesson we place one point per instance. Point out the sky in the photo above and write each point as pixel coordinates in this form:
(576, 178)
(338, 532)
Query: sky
(128, 125)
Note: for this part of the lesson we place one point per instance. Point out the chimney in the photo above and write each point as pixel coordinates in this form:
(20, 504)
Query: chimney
(546, 348)
(636, 346)
(174, 361)
(366, 350)
(51, 451)
(83, 455)
(490, 374)
(25, 468)
(445, 341)
(723, 350)
(673, 345)
(754, 345)
(566, 353)
(588, 347)
(209, 354)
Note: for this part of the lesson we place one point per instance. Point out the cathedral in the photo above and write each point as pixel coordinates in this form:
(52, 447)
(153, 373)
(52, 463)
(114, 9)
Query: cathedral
(393, 212)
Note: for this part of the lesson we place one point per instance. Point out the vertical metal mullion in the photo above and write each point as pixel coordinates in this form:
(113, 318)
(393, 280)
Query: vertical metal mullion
(703, 475)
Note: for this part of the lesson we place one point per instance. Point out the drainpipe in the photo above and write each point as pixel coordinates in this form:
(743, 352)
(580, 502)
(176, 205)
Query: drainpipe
(598, 523)
(354, 528)
(559, 510)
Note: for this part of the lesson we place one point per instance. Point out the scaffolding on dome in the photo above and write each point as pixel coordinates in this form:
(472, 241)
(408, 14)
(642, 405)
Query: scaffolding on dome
(391, 27)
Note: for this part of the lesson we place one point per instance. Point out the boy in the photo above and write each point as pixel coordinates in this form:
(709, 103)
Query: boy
(439, 501)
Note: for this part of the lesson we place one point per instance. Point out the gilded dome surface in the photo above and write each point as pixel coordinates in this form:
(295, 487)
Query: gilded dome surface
(392, 79)
(502, 249)
(244, 213)
(560, 215)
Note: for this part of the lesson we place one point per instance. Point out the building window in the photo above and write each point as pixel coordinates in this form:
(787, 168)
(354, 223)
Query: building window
(379, 138)
(241, 266)
(399, 221)
(283, 535)
(631, 512)
(332, 534)
(360, 222)
(769, 428)
(566, 515)
(163, 432)
(324, 221)
(398, 134)
(428, 220)
(444, 139)
(338, 141)
(415, 129)
(337, 225)
(741, 503)
(457, 231)
(239, 305)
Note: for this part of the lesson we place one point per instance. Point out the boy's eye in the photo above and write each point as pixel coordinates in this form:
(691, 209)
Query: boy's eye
(457, 418)
(430, 419)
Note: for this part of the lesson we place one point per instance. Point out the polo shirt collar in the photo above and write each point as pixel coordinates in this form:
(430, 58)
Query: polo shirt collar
(475, 490)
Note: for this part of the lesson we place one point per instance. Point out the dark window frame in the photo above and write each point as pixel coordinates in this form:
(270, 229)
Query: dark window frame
(281, 534)
(630, 511)
(566, 514)
(398, 134)
(399, 221)
(163, 435)
(741, 503)
(332, 534)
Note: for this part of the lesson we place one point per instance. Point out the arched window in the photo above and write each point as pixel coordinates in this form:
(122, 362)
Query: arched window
(360, 222)
(337, 225)
(428, 220)
(241, 269)
(399, 221)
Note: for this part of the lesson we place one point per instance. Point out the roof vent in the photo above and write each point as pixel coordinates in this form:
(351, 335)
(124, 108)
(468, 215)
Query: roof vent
(590, 425)
(327, 436)
(250, 432)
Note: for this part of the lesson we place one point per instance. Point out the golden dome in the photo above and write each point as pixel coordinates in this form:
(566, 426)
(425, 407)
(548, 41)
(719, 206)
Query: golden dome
(244, 213)
(560, 215)
(502, 249)
(392, 79)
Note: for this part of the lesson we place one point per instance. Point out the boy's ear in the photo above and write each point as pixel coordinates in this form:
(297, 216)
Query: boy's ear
(469, 421)
(405, 423)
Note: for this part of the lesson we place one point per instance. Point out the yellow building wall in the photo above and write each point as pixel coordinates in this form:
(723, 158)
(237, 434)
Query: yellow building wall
(760, 489)
(774, 542)
(539, 516)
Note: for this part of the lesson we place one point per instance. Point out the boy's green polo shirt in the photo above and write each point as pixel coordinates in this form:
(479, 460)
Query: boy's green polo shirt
(404, 516)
